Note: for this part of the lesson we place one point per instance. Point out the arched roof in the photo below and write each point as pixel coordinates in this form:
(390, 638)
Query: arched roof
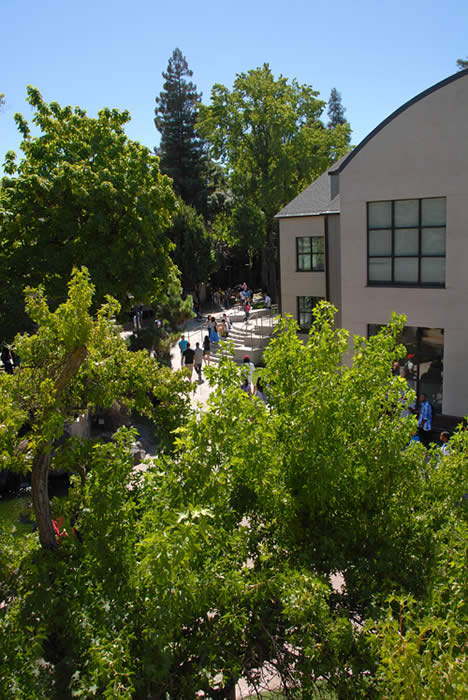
(341, 165)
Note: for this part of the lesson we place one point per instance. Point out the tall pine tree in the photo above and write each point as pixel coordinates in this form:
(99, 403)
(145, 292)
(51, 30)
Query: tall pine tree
(181, 150)
(335, 109)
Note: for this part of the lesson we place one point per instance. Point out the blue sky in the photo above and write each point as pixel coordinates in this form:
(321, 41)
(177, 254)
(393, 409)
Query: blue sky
(97, 53)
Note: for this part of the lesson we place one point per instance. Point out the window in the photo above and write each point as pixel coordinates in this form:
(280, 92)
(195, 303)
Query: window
(406, 242)
(310, 255)
(304, 310)
(423, 363)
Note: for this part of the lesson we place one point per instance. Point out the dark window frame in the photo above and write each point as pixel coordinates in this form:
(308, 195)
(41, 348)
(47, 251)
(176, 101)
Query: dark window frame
(300, 311)
(320, 255)
(393, 257)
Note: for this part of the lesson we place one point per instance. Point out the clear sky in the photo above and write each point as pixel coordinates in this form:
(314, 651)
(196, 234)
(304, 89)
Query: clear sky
(96, 53)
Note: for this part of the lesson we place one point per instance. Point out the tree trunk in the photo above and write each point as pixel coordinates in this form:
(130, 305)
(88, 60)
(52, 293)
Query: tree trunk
(40, 498)
(269, 266)
(41, 462)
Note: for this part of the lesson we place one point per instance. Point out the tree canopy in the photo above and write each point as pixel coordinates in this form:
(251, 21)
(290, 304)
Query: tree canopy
(82, 194)
(219, 558)
(462, 63)
(269, 135)
(72, 363)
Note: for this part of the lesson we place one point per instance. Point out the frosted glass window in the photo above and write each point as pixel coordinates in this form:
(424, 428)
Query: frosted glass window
(406, 270)
(407, 212)
(433, 211)
(433, 270)
(380, 214)
(433, 241)
(380, 242)
(407, 241)
(380, 270)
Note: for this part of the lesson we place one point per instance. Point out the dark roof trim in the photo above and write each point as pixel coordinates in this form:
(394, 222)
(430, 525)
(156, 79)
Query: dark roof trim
(382, 125)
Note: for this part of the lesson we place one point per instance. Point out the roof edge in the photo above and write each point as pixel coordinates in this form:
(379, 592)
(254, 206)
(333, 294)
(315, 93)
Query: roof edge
(312, 213)
(446, 81)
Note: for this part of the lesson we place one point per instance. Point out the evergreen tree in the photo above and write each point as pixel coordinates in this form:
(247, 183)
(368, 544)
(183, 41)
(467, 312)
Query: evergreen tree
(181, 151)
(336, 110)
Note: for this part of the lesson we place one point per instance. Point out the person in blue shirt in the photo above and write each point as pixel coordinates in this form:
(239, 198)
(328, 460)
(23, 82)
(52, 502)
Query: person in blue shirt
(182, 347)
(425, 420)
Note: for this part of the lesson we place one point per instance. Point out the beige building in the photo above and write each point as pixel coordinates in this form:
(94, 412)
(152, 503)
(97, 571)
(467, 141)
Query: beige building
(386, 229)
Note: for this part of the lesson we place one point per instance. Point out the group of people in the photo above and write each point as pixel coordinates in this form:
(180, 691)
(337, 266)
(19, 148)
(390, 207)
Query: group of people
(193, 358)
(219, 329)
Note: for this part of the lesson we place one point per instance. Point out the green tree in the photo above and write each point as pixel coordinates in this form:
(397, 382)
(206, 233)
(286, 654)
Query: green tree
(336, 111)
(462, 63)
(193, 249)
(82, 194)
(181, 151)
(268, 133)
(218, 558)
(71, 363)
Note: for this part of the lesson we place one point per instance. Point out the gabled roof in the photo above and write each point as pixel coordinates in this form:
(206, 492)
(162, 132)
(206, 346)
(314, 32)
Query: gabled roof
(340, 165)
(314, 200)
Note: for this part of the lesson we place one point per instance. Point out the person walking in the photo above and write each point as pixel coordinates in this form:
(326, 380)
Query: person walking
(444, 439)
(425, 420)
(182, 347)
(206, 349)
(198, 361)
(259, 391)
(247, 309)
(189, 355)
(248, 368)
(214, 337)
(228, 324)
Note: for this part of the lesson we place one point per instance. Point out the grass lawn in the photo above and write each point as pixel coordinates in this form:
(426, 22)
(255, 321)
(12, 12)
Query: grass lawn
(14, 515)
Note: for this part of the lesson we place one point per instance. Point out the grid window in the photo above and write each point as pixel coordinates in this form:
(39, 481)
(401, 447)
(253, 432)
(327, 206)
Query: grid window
(406, 242)
(310, 253)
(304, 310)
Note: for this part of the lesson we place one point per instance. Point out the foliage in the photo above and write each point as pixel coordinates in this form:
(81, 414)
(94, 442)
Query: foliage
(193, 251)
(462, 63)
(74, 362)
(268, 133)
(423, 645)
(82, 194)
(217, 559)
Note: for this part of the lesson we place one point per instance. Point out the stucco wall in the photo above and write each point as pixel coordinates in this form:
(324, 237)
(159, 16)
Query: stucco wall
(334, 263)
(293, 283)
(422, 152)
